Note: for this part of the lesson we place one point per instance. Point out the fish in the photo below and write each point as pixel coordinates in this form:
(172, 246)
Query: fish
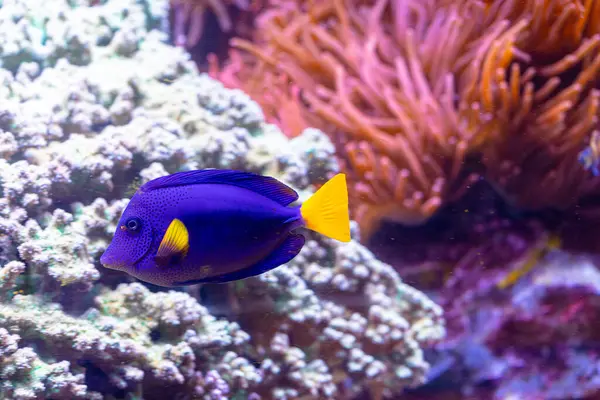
(218, 226)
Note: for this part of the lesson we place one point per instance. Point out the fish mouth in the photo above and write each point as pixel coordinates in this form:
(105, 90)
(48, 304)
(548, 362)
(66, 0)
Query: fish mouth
(111, 264)
(118, 267)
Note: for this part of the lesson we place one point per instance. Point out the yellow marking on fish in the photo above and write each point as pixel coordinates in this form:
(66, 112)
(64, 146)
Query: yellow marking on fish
(175, 241)
(548, 244)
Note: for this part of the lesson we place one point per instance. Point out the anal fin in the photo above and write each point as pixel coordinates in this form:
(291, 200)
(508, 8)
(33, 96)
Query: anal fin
(281, 255)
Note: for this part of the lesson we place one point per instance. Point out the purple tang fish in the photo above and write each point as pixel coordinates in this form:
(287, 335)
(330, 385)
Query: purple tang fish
(214, 226)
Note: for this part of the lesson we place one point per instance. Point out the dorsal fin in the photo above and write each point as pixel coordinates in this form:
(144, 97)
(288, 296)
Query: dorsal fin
(263, 185)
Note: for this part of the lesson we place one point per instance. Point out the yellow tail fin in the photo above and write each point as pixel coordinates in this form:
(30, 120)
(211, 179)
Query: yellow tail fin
(326, 211)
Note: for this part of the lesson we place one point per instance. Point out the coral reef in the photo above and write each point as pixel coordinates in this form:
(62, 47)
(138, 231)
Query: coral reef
(95, 102)
(519, 311)
(52, 380)
(425, 101)
(553, 351)
(537, 342)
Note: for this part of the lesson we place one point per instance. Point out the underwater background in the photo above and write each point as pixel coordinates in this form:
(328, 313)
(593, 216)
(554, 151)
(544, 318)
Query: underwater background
(469, 133)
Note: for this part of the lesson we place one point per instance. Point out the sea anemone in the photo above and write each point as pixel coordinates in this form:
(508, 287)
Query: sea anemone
(422, 97)
(404, 111)
(551, 121)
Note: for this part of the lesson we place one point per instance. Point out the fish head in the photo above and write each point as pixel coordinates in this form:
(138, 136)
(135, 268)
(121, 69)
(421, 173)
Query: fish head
(132, 239)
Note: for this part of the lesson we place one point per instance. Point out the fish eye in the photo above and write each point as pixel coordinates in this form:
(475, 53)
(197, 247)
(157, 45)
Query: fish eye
(133, 224)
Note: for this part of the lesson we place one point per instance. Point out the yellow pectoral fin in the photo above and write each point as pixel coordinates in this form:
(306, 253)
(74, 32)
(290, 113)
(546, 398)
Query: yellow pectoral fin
(176, 241)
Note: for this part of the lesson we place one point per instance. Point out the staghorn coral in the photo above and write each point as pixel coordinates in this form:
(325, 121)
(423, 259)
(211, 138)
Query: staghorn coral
(86, 124)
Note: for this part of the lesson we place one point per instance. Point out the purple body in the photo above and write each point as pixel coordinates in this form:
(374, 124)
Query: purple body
(234, 230)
